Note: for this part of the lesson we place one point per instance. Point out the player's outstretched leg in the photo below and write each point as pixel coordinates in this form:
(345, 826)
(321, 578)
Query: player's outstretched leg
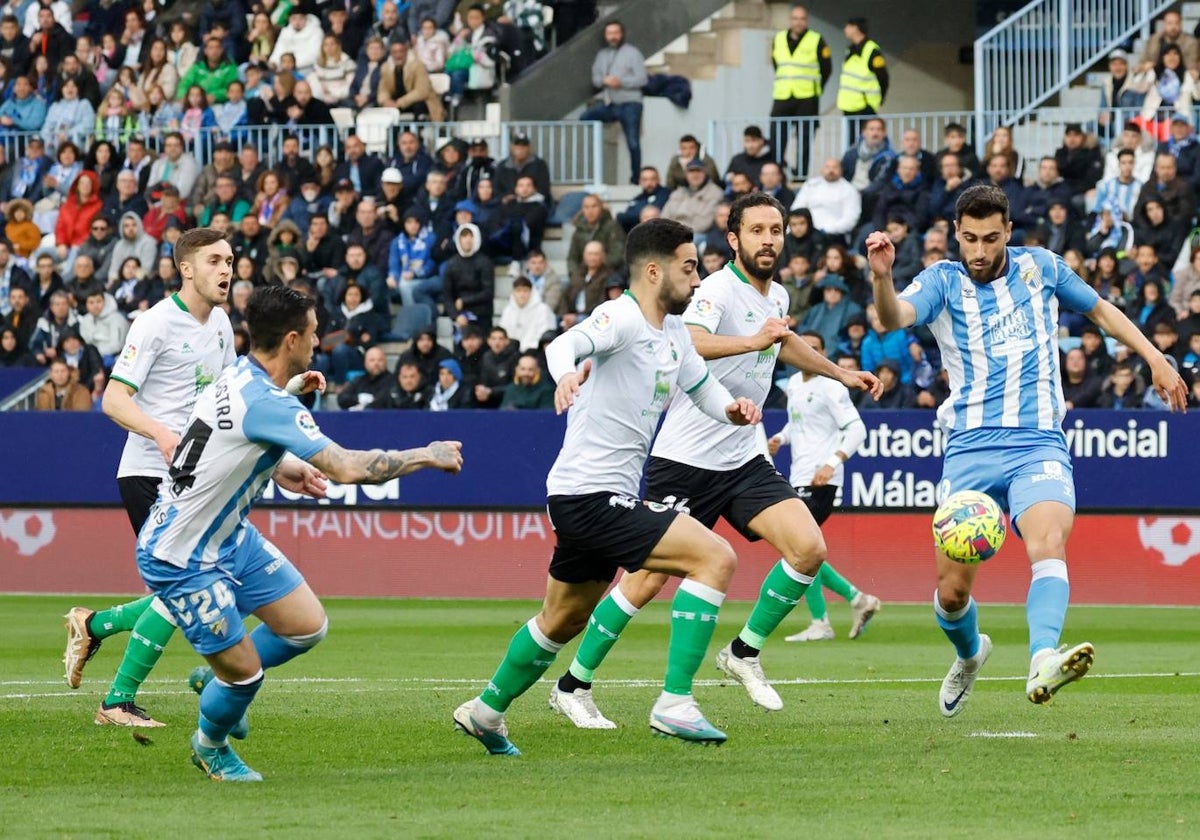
(1051, 666)
(820, 629)
(529, 654)
(572, 694)
(148, 638)
(862, 605)
(86, 629)
(222, 705)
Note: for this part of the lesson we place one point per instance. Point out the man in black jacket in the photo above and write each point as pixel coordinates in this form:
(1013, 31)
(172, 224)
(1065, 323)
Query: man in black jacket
(497, 371)
(359, 168)
(409, 391)
(522, 161)
(653, 193)
(373, 388)
(1079, 165)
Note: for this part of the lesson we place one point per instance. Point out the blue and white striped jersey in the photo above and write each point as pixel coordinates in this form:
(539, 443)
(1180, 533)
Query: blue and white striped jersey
(239, 431)
(999, 340)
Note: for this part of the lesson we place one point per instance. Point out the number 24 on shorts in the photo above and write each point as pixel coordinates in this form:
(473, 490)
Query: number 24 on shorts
(202, 602)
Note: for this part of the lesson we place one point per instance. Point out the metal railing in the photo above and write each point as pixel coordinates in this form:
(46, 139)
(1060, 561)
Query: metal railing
(25, 397)
(572, 149)
(1038, 51)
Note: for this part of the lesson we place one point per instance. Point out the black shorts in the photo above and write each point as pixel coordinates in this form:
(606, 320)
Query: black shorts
(819, 500)
(598, 533)
(138, 494)
(739, 494)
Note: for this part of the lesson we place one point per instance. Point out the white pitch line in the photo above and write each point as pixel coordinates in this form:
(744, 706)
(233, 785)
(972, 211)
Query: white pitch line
(1003, 735)
(370, 685)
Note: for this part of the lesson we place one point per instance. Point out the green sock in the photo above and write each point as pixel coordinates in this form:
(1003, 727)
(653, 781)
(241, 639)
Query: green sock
(781, 590)
(604, 628)
(814, 599)
(693, 620)
(118, 619)
(146, 643)
(529, 654)
(829, 577)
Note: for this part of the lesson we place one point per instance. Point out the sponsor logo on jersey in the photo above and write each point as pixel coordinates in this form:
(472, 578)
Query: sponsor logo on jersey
(1010, 332)
(187, 348)
(129, 354)
(204, 377)
(662, 388)
(307, 425)
(627, 502)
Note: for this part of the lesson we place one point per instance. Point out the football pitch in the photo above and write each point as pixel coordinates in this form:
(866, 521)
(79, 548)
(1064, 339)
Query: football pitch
(355, 739)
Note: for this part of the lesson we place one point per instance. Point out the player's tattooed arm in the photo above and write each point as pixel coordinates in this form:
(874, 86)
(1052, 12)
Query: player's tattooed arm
(375, 466)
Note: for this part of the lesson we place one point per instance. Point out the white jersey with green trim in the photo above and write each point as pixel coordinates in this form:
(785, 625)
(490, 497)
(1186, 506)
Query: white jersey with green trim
(819, 412)
(725, 304)
(635, 370)
(169, 358)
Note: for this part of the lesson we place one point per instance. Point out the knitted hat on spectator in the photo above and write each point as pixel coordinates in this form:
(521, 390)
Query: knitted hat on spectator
(834, 281)
(452, 366)
(890, 364)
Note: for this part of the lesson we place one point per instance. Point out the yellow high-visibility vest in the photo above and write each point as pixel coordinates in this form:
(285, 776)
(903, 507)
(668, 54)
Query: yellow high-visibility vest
(858, 87)
(797, 74)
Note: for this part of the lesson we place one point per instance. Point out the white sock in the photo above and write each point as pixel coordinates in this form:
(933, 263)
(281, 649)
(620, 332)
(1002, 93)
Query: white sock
(486, 714)
(208, 743)
(667, 700)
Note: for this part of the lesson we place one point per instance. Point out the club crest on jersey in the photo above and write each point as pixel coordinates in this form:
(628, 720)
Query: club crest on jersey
(129, 354)
(1029, 273)
(219, 627)
(307, 425)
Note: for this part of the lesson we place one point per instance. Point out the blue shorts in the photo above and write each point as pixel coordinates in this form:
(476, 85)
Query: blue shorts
(1016, 467)
(208, 604)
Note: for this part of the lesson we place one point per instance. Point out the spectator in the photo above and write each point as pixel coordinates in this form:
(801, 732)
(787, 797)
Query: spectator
(834, 204)
(21, 232)
(908, 250)
(52, 36)
(689, 151)
(1116, 91)
(796, 278)
(1106, 279)
(586, 288)
(182, 52)
(226, 199)
(361, 169)
(213, 73)
(866, 163)
(46, 281)
(468, 285)
(895, 394)
(270, 200)
(404, 84)
(13, 353)
(26, 176)
(1191, 357)
(880, 344)
(1182, 144)
(449, 393)
(372, 389)
(594, 223)
(479, 165)
(1186, 285)
(127, 199)
(1170, 35)
(522, 161)
(432, 46)
(837, 260)
(1079, 161)
(14, 46)
(69, 119)
(103, 327)
(283, 241)
(333, 73)
(409, 391)
(771, 182)
(545, 279)
(1168, 84)
(955, 138)
(83, 282)
(23, 313)
(829, 316)
(134, 242)
(1147, 266)
(1166, 338)
(364, 87)
(951, 183)
(157, 70)
(414, 164)
(1123, 391)
(801, 238)
(1082, 387)
(99, 245)
(389, 27)
(56, 320)
(526, 318)
(323, 251)
(906, 193)
(1119, 194)
(476, 43)
(1152, 226)
(301, 38)
(695, 203)
(354, 326)
(159, 216)
(755, 152)
(1063, 233)
(25, 111)
(176, 166)
(529, 389)
(525, 217)
(1000, 174)
(374, 237)
(1048, 188)
(853, 334)
(75, 216)
(715, 240)
(1131, 138)
(1001, 143)
(496, 370)
(910, 144)
(1150, 308)
(469, 354)
(864, 79)
(619, 73)
(426, 354)
(60, 393)
(301, 108)
(412, 272)
(1176, 194)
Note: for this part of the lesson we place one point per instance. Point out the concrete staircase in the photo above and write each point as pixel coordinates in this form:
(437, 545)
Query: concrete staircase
(714, 43)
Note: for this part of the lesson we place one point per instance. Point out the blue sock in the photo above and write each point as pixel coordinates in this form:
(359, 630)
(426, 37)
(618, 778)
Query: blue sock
(222, 705)
(1046, 606)
(274, 650)
(961, 627)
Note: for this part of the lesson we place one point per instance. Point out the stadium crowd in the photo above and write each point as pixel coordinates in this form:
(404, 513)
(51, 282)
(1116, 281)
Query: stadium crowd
(130, 130)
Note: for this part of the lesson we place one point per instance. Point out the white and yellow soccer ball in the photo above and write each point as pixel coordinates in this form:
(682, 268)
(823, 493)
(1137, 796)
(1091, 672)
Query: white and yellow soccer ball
(969, 527)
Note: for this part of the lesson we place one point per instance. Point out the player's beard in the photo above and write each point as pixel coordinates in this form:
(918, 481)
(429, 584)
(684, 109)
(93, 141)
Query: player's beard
(988, 274)
(669, 302)
(753, 268)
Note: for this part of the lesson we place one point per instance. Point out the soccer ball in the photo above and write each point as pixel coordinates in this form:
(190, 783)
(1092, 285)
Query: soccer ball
(969, 527)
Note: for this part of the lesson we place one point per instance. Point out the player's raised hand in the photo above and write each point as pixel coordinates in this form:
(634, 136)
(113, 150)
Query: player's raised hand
(1169, 385)
(881, 253)
(296, 476)
(743, 412)
(306, 383)
(862, 380)
(568, 387)
(773, 331)
(774, 444)
(445, 455)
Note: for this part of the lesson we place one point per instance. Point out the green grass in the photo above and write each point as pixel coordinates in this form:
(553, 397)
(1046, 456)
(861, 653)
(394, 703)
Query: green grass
(365, 748)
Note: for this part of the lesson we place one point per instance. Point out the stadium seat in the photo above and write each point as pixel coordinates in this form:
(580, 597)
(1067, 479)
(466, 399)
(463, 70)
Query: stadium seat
(343, 118)
(440, 82)
(408, 321)
(566, 207)
(374, 128)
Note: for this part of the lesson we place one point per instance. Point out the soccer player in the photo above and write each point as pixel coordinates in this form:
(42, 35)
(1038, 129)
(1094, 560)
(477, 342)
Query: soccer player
(710, 470)
(199, 553)
(995, 318)
(824, 429)
(637, 354)
(172, 353)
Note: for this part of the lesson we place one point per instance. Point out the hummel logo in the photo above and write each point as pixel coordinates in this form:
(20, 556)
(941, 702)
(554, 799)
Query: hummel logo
(187, 348)
(750, 317)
